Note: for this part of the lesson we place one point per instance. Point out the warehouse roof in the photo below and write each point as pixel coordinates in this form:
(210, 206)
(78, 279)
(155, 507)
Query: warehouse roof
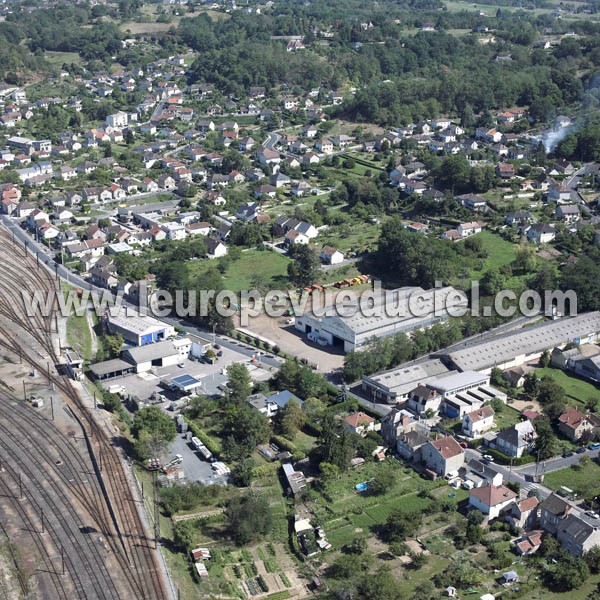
(457, 381)
(403, 380)
(134, 322)
(148, 352)
(406, 305)
(525, 342)
(108, 367)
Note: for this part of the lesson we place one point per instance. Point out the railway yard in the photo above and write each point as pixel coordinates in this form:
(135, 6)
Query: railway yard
(66, 492)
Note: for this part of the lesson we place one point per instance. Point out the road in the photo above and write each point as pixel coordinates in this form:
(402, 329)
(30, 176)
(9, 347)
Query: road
(46, 257)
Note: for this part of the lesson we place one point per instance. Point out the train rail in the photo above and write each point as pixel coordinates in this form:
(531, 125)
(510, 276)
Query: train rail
(107, 496)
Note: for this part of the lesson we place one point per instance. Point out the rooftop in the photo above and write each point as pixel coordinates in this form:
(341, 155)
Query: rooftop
(492, 495)
(526, 342)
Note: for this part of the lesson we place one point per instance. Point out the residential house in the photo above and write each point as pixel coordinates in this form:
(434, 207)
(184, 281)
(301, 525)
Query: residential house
(468, 229)
(480, 474)
(529, 543)
(443, 456)
(541, 233)
(424, 399)
(519, 218)
(331, 256)
(149, 185)
(567, 212)
(477, 422)
(505, 170)
(516, 439)
(410, 445)
(324, 146)
(574, 425)
(295, 480)
(472, 202)
(522, 514)
(491, 499)
(395, 423)
(359, 423)
(215, 248)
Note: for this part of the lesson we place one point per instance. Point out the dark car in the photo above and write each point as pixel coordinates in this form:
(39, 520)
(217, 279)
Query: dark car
(220, 353)
(567, 453)
(580, 450)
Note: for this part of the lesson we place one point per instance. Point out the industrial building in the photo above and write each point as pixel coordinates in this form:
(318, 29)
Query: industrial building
(137, 329)
(516, 348)
(389, 312)
(161, 354)
(396, 384)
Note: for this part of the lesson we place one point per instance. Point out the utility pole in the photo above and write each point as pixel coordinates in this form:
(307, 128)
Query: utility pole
(52, 406)
(156, 511)
(20, 488)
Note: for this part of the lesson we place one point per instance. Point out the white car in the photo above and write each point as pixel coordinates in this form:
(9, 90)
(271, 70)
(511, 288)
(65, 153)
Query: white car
(488, 458)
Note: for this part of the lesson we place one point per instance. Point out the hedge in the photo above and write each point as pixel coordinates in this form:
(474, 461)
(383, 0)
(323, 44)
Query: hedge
(283, 443)
(503, 459)
(211, 443)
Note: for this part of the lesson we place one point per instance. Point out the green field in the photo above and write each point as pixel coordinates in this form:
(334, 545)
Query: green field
(272, 266)
(585, 481)
(59, 58)
(79, 336)
(576, 390)
(499, 252)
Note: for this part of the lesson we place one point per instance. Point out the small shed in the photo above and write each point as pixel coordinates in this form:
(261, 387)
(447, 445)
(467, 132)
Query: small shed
(510, 577)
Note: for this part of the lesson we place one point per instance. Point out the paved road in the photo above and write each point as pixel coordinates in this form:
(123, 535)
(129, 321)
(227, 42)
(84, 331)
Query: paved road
(46, 258)
(271, 141)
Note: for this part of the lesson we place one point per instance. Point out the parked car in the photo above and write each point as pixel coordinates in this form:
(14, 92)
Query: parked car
(488, 458)
(580, 450)
(594, 446)
(567, 453)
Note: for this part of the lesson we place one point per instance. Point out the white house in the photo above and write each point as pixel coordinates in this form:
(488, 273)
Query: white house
(443, 456)
(477, 422)
(491, 499)
(117, 120)
(331, 256)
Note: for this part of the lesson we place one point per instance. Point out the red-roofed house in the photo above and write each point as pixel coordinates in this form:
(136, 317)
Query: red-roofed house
(529, 542)
(573, 424)
(443, 456)
(359, 423)
(491, 499)
(522, 513)
(477, 422)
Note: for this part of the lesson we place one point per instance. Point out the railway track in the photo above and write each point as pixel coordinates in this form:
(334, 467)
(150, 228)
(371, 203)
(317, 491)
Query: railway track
(107, 497)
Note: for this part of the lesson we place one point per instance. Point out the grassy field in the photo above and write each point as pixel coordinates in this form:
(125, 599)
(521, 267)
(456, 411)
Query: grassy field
(272, 266)
(577, 390)
(79, 336)
(500, 252)
(506, 417)
(585, 481)
(59, 58)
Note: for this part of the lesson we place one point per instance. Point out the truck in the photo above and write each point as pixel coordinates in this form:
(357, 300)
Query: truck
(196, 443)
(205, 452)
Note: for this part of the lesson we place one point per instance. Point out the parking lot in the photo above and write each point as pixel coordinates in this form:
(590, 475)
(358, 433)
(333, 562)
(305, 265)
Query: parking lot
(212, 377)
(195, 468)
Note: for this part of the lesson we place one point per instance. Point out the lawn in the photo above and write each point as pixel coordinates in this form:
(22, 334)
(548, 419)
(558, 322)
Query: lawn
(79, 335)
(506, 417)
(500, 252)
(271, 266)
(576, 390)
(585, 481)
(60, 58)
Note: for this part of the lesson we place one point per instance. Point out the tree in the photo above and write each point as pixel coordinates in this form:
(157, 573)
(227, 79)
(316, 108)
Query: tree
(591, 404)
(239, 384)
(400, 525)
(183, 535)
(545, 443)
(249, 518)
(592, 558)
(243, 473)
(113, 344)
(335, 443)
(290, 419)
(382, 483)
(314, 408)
(525, 260)
(381, 585)
(531, 384)
(153, 430)
(568, 574)
(305, 265)
(545, 359)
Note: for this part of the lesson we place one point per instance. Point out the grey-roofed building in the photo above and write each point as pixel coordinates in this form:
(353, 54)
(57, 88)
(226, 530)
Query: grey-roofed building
(527, 344)
(110, 369)
(160, 354)
(136, 328)
(295, 480)
(395, 385)
(516, 439)
(390, 312)
(410, 444)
